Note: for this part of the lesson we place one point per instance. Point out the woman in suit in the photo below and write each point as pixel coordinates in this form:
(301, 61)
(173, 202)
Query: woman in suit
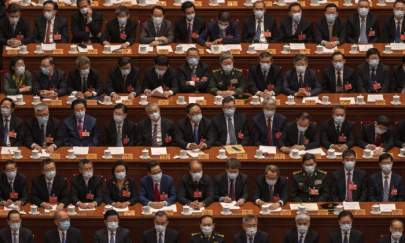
(17, 80)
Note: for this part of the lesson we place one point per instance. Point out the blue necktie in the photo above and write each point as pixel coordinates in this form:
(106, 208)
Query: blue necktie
(195, 134)
(258, 31)
(398, 32)
(5, 132)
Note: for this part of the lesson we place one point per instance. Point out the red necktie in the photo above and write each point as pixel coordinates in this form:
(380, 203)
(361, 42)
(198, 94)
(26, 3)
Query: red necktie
(349, 182)
(79, 126)
(48, 31)
(269, 132)
(156, 192)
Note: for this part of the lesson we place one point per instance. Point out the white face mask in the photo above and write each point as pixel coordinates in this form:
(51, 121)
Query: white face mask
(346, 227)
(302, 229)
(155, 116)
(50, 174)
(160, 228)
(48, 15)
(207, 230)
(296, 17)
(386, 168)
(157, 20)
(157, 177)
(302, 129)
(119, 118)
(268, 113)
(339, 119)
(363, 12)
(232, 176)
(196, 176)
(227, 68)
(251, 231)
(349, 165)
(309, 169)
(20, 70)
(300, 69)
(396, 235)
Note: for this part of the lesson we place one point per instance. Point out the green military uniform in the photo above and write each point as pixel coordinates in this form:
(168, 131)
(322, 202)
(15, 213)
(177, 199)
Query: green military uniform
(223, 82)
(200, 238)
(302, 184)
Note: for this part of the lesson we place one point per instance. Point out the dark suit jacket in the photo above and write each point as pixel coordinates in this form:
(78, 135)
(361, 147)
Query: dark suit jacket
(20, 187)
(145, 132)
(259, 129)
(221, 186)
(400, 134)
(291, 236)
(166, 187)
(184, 132)
(329, 135)
(389, 30)
(260, 237)
(398, 79)
(168, 81)
(212, 32)
(82, 34)
(290, 136)
(350, 81)
(57, 82)
(59, 27)
(353, 28)
(39, 191)
(367, 136)
(128, 133)
(73, 235)
(127, 193)
(16, 125)
(304, 31)
(280, 192)
(322, 33)
(338, 185)
(123, 235)
(355, 237)
(94, 82)
(21, 32)
(112, 32)
(34, 133)
(257, 81)
(148, 33)
(220, 129)
(184, 74)
(387, 239)
(180, 29)
(70, 137)
(117, 84)
(291, 85)
(187, 188)
(383, 75)
(375, 188)
(92, 192)
(171, 236)
(249, 28)
(25, 235)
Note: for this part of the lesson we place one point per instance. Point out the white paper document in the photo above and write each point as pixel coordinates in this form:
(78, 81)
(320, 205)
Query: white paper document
(397, 46)
(297, 46)
(351, 205)
(195, 99)
(230, 47)
(116, 150)
(268, 149)
(8, 150)
(167, 48)
(193, 154)
(327, 50)
(80, 150)
(120, 210)
(85, 49)
(351, 100)
(312, 151)
(375, 97)
(185, 47)
(387, 208)
(115, 47)
(9, 48)
(260, 46)
(86, 209)
(272, 210)
(365, 47)
(231, 205)
(308, 206)
(48, 47)
(172, 208)
(156, 151)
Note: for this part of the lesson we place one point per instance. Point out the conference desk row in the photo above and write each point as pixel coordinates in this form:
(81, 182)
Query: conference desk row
(275, 224)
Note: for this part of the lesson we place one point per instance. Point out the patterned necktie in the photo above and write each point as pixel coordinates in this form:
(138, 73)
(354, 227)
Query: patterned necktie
(258, 30)
(231, 132)
(154, 135)
(386, 189)
(339, 82)
(160, 237)
(119, 135)
(301, 240)
(48, 32)
(363, 29)
(269, 132)
(346, 238)
(112, 237)
(349, 196)
(195, 134)
(5, 132)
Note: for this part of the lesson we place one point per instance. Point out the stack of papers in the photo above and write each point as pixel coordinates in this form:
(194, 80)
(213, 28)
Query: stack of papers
(308, 206)
(167, 48)
(116, 150)
(234, 149)
(365, 47)
(48, 47)
(8, 150)
(193, 154)
(375, 97)
(158, 92)
(351, 205)
(397, 46)
(157, 151)
(185, 47)
(268, 149)
(272, 210)
(232, 205)
(172, 208)
(80, 150)
(297, 46)
(312, 151)
(195, 99)
(387, 208)
(230, 47)
(260, 46)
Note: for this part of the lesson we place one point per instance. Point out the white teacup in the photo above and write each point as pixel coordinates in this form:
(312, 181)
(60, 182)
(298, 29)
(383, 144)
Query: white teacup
(265, 208)
(73, 48)
(144, 99)
(218, 99)
(375, 208)
(402, 151)
(179, 48)
(314, 2)
(107, 207)
(339, 208)
(145, 153)
(226, 210)
(354, 47)
(359, 99)
(290, 99)
(367, 153)
(38, 48)
(71, 153)
(23, 48)
(107, 48)
(286, 48)
(107, 99)
(36, 99)
(259, 153)
(387, 48)
(71, 98)
(17, 154)
(221, 153)
(255, 99)
(396, 99)
(325, 99)
(146, 209)
(186, 209)
(181, 99)
(35, 153)
(319, 48)
(34, 209)
(331, 153)
(19, 99)
(347, 2)
(71, 209)
(215, 2)
(295, 153)
(107, 153)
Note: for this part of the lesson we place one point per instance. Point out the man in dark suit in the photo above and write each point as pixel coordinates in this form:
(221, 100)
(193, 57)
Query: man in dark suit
(13, 186)
(42, 130)
(85, 80)
(349, 183)
(160, 75)
(295, 28)
(230, 127)
(377, 136)
(14, 232)
(374, 76)
(396, 231)
(112, 232)
(120, 29)
(362, 27)
(193, 76)
(87, 188)
(337, 133)
(196, 188)
(194, 131)
(339, 77)
(124, 79)
(330, 30)
(157, 189)
(49, 27)
(14, 30)
(346, 233)
(79, 129)
(13, 129)
(271, 188)
(50, 81)
(49, 188)
(250, 232)
(259, 27)
(86, 23)
(385, 185)
(394, 27)
(400, 134)
(157, 30)
(265, 78)
(268, 125)
(231, 185)
(189, 27)
(398, 79)
(300, 80)
(64, 232)
(155, 130)
(160, 232)
(221, 31)
(301, 134)
(120, 131)
(302, 233)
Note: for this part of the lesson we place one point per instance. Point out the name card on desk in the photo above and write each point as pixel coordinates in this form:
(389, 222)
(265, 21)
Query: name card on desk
(351, 205)
(375, 97)
(91, 156)
(92, 102)
(9, 150)
(232, 3)
(55, 156)
(297, 46)
(347, 101)
(163, 102)
(57, 52)
(157, 151)
(308, 206)
(365, 47)
(387, 207)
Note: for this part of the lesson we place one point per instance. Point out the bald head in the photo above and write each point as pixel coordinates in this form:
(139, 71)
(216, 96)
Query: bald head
(195, 166)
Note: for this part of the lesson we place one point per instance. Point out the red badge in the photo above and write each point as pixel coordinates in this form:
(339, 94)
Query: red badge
(57, 37)
(394, 192)
(125, 141)
(241, 135)
(371, 33)
(125, 193)
(84, 134)
(197, 194)
(130, 89)
(123, 36)
(342, 139)
(87, 29)
(275, 198)
(348, 86)
(12, 134)
(13, 195)
(267, 34)
(376, 86)
(306, 141)
(301, 37)
(53, 199)
(352, 187)
(402, 36)
(278, 135)
(89, 196)
(168, 139)
(20, 37)
(163, 197)
(270, 87)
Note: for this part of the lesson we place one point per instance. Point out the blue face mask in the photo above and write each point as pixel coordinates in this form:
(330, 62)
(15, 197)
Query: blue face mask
(64, 225)
(45, 71)
(42, 120)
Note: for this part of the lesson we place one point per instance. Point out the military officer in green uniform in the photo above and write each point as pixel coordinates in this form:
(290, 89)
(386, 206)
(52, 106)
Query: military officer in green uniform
(228, 80)
(309, 184)
(207, 234)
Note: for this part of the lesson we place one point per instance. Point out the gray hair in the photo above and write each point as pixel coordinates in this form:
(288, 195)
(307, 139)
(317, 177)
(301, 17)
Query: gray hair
(248, 218)
(81, 60)
(224, 56)
(40, 107)
(303, 217)
(269, 101)
(272, 168)
(150, 106)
